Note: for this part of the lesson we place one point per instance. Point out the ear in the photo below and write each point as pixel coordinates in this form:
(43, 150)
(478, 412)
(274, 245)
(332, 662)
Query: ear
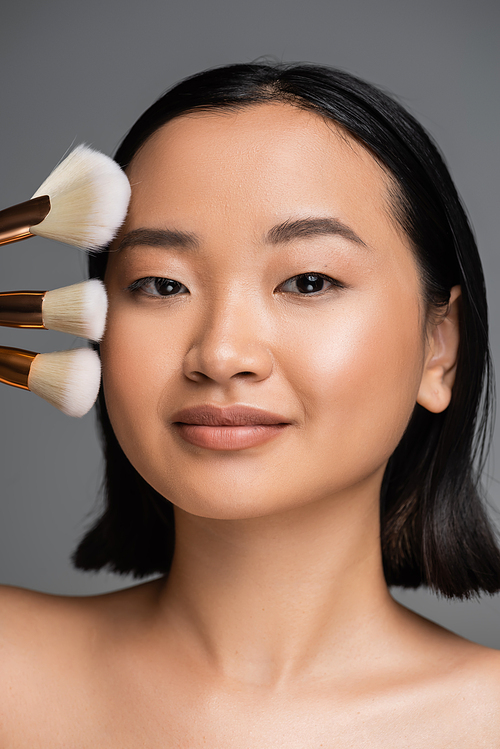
(441, 358)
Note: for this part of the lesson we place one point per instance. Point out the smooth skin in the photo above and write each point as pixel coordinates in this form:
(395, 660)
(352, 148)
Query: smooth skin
(275, 627)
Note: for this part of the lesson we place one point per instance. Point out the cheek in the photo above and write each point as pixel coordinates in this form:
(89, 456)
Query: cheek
(359, 376)
(135, 368)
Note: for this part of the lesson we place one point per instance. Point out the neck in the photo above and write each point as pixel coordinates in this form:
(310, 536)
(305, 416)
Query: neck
(266, 598)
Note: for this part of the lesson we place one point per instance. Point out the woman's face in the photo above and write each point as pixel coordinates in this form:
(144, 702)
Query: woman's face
(260, 266)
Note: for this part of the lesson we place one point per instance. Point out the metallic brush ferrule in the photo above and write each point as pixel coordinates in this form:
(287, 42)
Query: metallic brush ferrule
(16, 221)
(21, 309)
(15, 364)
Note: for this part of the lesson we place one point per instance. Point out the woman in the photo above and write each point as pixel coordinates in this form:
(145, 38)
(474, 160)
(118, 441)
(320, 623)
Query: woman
(292, 371)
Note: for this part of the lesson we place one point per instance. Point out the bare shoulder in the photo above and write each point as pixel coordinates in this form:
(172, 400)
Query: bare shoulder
(23, 613)
(29, 618)
(26, 615)
(34, 640)
(460, 675)
(53, 654)
(40, 633)
(482, 666)
(478, 691)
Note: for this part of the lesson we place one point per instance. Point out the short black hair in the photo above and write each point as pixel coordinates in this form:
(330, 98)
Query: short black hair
(433, 525)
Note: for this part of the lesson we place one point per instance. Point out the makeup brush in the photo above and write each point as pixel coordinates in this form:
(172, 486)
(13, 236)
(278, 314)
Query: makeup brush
(83, 202)
(79, 309)
(69, 380)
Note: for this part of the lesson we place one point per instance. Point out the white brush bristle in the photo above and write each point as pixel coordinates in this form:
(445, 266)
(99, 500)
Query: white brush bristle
(89, 196)
(69, 380)
(79, 309)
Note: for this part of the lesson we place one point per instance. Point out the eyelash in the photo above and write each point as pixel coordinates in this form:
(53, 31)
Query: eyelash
(158, 281)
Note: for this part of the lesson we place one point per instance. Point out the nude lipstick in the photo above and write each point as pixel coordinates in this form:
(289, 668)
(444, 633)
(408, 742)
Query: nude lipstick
(235, 427)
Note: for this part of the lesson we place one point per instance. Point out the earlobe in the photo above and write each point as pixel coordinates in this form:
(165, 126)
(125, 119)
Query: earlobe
(438, 374)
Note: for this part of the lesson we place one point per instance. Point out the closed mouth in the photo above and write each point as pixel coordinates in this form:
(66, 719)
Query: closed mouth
(229, 416)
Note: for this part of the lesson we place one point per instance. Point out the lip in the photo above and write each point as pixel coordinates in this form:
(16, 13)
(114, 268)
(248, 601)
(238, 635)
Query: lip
(236, 415)
(228, 428)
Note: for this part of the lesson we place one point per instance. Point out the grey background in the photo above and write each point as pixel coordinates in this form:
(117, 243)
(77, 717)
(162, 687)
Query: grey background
(76, 72)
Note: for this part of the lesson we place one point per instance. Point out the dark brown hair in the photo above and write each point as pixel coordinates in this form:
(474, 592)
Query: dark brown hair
(434, 528)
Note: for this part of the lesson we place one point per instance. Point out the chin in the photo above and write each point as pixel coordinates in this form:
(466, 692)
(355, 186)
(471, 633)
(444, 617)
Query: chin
(231, 507)
(228, 500)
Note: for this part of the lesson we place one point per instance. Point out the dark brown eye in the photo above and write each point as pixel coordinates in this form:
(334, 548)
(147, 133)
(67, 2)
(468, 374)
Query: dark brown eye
(157, 286)
(308, 283)
(167, 286)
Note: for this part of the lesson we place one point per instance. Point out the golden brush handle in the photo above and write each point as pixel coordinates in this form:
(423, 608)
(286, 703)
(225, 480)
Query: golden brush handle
(21, 309)
(16, 221)
(15, 364)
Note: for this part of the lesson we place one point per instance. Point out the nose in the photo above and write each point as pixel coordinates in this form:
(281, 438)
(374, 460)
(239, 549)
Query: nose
(230, 344)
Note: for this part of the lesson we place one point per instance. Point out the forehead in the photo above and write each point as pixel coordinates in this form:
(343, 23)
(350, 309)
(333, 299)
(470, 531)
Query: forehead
(259, 163)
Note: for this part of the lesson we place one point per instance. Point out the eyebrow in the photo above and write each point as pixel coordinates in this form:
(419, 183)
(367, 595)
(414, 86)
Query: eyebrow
(283, 233)
(311, 227)
(159, 238)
